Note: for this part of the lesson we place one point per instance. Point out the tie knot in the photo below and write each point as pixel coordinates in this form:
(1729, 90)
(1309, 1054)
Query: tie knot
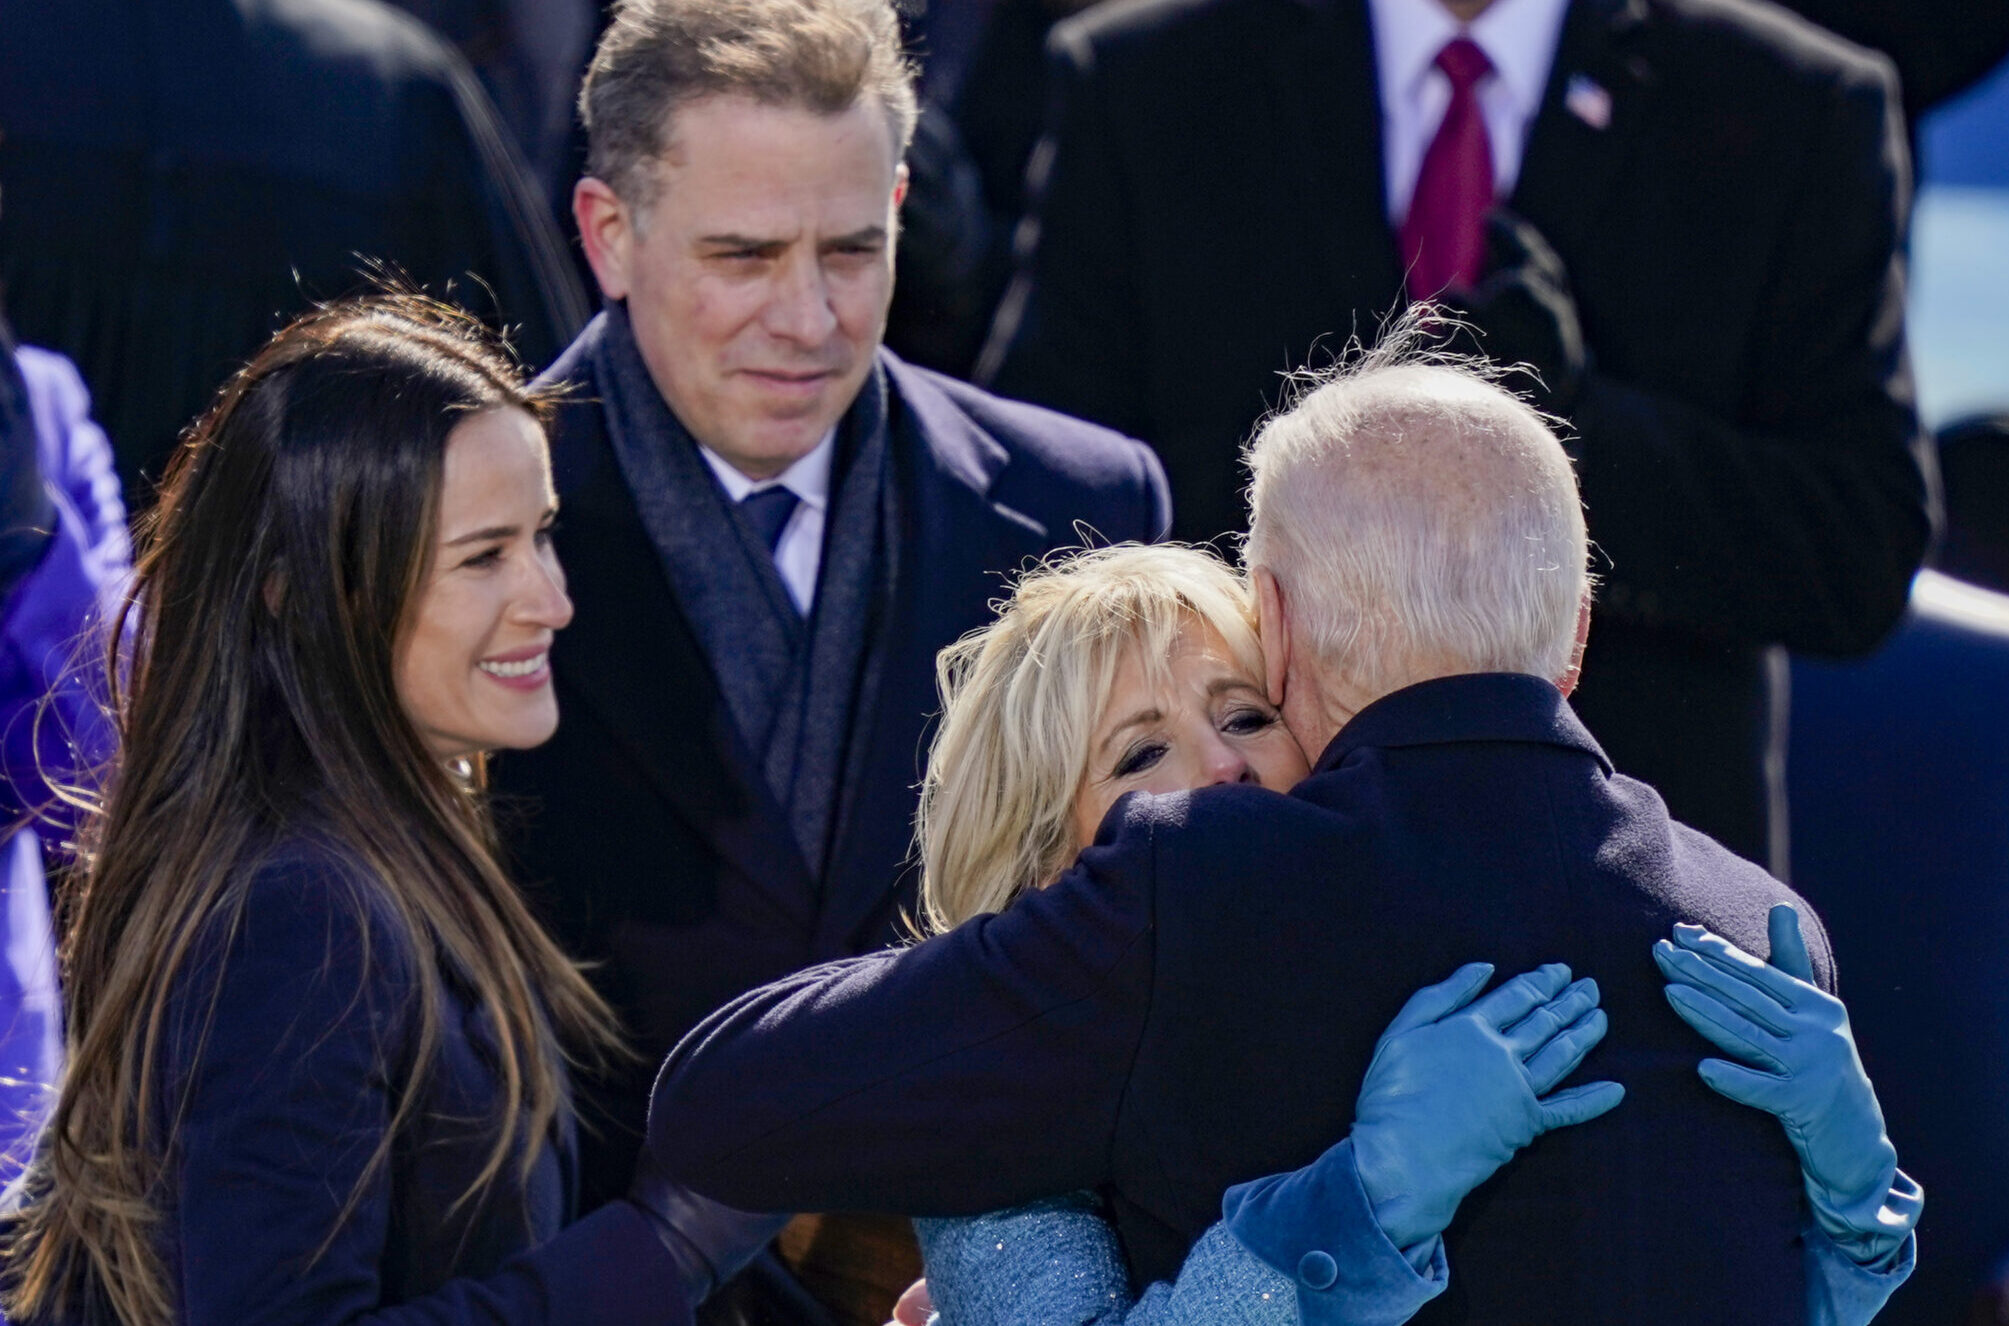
(1463, 63)
(768, 511)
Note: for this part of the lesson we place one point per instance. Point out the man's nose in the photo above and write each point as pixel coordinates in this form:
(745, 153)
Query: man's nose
(798, 309)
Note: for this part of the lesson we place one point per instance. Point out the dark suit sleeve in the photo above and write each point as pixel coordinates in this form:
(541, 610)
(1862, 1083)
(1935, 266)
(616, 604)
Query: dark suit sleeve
(290, 1066)
(1803, 523)
(978, 1070)
(1067, 333)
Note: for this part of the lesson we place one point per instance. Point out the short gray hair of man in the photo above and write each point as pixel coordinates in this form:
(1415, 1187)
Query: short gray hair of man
(656, 55)
(1420, 519)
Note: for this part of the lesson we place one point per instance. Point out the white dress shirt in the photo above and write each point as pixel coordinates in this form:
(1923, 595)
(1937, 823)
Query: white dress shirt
(799, 554)
(1518, 36)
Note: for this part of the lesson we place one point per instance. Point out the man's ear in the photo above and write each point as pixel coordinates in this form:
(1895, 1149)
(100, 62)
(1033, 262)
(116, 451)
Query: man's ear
(1568, 681)
(900, 180)
(607, 230)
(1273, 631)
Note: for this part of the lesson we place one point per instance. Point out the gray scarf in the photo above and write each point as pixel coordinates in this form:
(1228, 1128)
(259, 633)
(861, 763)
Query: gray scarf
(796, 690)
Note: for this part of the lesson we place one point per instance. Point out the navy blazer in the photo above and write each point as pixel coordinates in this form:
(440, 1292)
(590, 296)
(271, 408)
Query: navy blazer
(291, 1041)
(646, 827)
(1196, 1002)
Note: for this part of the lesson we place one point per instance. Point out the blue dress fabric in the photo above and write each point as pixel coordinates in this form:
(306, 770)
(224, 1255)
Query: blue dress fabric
(52, 727)
(1315, 1258)
(291, 1040)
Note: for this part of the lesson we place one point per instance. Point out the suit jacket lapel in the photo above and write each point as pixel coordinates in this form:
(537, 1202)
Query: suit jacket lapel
(634, 659)
(1599, 89)
(955, 541)
(1328, 112)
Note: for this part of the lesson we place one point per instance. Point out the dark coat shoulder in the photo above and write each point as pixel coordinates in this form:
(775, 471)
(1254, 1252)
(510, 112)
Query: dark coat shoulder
(1057, 466)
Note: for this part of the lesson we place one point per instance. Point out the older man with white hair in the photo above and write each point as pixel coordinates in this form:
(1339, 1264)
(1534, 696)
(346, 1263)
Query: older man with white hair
(1202, 991)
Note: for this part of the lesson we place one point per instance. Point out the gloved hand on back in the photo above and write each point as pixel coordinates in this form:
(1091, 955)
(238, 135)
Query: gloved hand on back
(1455, 1088)
(1798, 1062)
(1458, 1085)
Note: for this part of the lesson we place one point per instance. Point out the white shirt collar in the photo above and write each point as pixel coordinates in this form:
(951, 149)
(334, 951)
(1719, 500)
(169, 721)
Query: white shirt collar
(808, 478)
(1518, 36)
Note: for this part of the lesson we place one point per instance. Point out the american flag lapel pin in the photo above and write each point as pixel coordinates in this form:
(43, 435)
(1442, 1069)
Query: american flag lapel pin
(1588, 101)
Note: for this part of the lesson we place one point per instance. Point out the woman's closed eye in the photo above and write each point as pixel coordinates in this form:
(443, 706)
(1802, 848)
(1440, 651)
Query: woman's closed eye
(485, 559)
(1138, 759)
(1247, 720)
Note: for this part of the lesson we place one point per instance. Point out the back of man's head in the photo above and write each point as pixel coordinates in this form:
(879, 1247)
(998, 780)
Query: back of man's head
(1420, 520)
(656, 55)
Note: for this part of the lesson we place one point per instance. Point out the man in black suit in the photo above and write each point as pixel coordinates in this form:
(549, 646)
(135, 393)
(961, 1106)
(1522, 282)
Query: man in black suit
(1703, 258)
(1195, 1002)
(771, 525)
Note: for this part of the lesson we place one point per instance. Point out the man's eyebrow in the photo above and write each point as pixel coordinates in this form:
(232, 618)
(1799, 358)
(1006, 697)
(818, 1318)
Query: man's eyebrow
(869, 235)
(872, 234)
(1149, 715)
(740, 242)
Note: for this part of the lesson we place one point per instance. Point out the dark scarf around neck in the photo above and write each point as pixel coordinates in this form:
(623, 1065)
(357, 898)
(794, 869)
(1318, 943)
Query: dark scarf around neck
(796, 690)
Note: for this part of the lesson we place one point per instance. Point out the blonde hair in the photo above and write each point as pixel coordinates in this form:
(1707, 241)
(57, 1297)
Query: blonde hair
(1020, 701)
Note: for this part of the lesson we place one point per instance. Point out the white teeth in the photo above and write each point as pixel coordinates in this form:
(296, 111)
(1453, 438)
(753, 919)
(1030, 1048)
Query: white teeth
(523, 669)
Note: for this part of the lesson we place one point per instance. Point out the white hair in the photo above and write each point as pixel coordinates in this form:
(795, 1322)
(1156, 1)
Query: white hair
(1420, 519)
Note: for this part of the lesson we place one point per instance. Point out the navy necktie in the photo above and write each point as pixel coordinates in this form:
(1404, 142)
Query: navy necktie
(768, 511)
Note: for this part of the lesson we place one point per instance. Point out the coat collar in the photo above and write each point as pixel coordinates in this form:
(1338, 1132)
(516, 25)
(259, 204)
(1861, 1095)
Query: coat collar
(954, 448)
(1484, 706)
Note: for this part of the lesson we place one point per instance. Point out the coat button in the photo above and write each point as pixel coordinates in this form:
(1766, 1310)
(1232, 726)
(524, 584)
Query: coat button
(1318, 1270)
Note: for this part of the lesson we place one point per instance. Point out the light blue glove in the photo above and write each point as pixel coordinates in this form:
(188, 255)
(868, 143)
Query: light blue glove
(1804, 1070)
(1456, 1087)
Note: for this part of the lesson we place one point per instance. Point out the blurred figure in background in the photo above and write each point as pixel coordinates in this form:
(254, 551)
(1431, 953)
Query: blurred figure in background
(63, 555)
(1702, 260)
(529, 55)
(984, 100)
(1901, 825)
(1940, 47)
(180, 174)
(1974, 461)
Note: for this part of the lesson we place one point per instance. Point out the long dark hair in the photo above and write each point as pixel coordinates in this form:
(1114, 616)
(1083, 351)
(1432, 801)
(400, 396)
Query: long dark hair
(256, 654)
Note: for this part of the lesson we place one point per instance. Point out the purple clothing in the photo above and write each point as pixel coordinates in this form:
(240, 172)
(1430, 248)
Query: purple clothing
(47, 649)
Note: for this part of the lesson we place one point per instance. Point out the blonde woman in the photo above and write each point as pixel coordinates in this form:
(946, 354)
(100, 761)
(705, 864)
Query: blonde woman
(1138, 669)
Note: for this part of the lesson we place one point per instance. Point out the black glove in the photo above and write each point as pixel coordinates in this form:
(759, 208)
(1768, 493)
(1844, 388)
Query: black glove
(709, 1242)
(1522, 312)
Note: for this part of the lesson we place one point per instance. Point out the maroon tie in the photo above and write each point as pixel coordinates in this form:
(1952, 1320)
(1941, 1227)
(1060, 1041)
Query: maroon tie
(1443, 237)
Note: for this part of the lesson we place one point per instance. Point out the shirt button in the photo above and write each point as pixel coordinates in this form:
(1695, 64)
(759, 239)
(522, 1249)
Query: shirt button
(1318, 1270)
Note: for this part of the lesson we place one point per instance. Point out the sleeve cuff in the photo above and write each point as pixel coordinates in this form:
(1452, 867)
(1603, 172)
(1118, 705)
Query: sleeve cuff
(1844, 1292)
(1316, 1226)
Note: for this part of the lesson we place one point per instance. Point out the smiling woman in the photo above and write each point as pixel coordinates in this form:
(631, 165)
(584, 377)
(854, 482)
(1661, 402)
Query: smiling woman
(318, 1043)
(473, 666)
